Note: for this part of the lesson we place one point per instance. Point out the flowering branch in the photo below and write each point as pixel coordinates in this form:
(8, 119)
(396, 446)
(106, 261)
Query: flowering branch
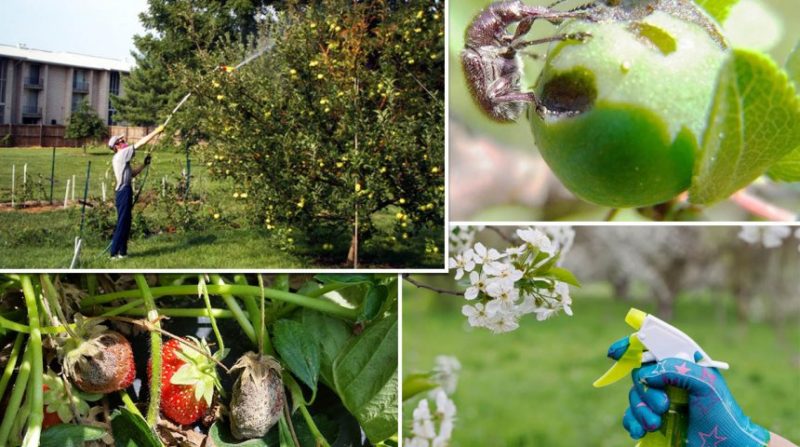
(435, 289)
(762, 208)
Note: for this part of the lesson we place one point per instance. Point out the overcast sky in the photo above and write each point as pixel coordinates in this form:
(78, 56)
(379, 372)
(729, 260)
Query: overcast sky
(94, 27)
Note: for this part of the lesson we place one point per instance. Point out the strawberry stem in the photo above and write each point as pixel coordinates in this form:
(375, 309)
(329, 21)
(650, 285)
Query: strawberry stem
(12, 362)
(15, 400)
(321, 305)
(37, 366)
(204, 292)
(240, 315)
(155, 349)
(321, 441)
(50, 294)
(129, 404)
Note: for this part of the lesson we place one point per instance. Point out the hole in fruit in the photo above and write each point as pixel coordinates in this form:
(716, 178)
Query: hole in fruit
(655, 36)
(571, 92)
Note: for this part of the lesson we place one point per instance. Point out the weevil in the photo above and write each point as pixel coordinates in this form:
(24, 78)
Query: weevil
(491, 57)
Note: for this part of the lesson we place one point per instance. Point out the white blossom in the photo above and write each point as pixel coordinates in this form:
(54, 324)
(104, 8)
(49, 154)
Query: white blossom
(446, 373)
(484, 255)
(424, 422)
(501, 323)
(477, 315)
(774, 235)
(537, 239)
(477, 284)
(462, 262)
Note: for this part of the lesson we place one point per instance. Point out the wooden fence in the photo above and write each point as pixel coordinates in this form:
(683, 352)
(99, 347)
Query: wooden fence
(32, 135)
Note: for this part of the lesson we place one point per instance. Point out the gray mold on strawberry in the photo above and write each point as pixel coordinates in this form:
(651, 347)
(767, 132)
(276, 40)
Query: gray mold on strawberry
(258, 397)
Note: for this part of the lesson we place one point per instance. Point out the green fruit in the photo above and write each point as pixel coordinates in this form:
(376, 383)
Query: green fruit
(626, 109)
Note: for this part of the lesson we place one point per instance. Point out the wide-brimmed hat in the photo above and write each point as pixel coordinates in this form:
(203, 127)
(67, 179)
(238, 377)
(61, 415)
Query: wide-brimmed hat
(113, 140)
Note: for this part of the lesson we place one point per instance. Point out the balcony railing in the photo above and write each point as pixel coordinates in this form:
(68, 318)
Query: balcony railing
(34, 82)
(31, 111)
(80, 87)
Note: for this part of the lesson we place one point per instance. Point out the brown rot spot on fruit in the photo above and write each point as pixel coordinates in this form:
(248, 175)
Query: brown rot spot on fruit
(655, 37)
(571, 92)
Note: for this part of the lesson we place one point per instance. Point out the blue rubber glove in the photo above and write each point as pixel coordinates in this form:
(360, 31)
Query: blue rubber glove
(715, 418)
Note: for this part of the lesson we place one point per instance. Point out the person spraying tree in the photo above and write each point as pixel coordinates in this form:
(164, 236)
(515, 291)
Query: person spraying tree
(124, 173)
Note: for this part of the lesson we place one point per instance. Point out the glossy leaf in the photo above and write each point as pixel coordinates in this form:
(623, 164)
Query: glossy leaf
(414, 384)
(130, 430)
(788, 169)
(70, 435)
(365, 375)
(376, 296)
(754, 122)
(564, 275)
(298, 350)
(352, 278)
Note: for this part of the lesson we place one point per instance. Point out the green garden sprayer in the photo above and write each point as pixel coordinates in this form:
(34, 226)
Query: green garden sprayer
(656, 340)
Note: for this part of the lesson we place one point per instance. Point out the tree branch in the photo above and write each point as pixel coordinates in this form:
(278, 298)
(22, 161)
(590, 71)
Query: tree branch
(435, 289)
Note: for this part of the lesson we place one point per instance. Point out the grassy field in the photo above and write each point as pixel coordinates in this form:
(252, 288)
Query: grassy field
(533, 386)
(44, 239)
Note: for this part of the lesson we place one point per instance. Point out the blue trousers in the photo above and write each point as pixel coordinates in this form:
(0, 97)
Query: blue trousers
(124, 202)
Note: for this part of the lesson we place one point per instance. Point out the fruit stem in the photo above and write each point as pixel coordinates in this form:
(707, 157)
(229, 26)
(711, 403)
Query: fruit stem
(37, 366)
(155, 349)
(265, 344)
(14, 326)
(321, 305)
(202, 290)
(12, 362)
(321, 441)
(762, 208)
(14, 401)
(50, 294)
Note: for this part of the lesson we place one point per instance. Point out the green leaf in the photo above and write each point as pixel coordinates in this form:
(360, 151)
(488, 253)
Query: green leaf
(564, 275)
(70, 435)
(130, 430)
(331, 335)
(788, 169)
(336, 278)
(718, 9)
(365, 374)
(376, 296)
(299, 350)
(415, 384)
(754, 122)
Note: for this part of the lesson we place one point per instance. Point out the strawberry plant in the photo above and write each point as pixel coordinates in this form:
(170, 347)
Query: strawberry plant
(187, 360)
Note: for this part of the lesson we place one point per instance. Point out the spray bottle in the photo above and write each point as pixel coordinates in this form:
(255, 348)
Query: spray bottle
(657, 340)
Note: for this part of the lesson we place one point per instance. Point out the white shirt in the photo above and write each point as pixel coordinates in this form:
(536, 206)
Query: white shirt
(122, 165)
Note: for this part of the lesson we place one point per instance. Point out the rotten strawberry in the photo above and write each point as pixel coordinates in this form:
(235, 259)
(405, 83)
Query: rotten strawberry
(258, 396)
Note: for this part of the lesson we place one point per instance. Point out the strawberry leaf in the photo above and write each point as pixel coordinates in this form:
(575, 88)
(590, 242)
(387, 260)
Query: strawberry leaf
(69, 435)
(365, 375)
(298, 350)
(331, 335)
(130, 430)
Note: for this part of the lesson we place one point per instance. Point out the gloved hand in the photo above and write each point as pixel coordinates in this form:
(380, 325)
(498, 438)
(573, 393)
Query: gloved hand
(714, 416)
(147, 160)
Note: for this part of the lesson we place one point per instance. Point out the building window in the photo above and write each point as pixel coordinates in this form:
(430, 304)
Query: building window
(34, 78)
(3, 65)
(113, 90)
(113, 87)
(2, 113)
(76, 100)
(80, 81)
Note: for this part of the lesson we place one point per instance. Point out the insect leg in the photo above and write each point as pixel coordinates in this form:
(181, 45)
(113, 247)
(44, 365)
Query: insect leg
(580, 37)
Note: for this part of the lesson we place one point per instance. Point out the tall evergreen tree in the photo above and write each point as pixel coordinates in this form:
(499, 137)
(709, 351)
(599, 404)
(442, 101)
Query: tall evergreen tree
(177, 33)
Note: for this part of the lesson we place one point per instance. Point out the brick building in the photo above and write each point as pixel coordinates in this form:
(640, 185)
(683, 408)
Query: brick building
(43, 87)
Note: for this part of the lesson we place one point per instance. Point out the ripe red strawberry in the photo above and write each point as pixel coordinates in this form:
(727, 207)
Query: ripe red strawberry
(188, 380)
(101, 361)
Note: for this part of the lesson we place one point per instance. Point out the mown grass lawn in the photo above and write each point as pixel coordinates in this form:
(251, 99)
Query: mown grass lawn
(533, 386)
(222, 235)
